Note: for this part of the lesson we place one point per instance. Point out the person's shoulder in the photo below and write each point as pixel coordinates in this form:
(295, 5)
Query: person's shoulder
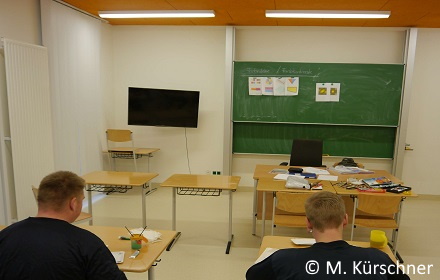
(16, 226)
(372, 253)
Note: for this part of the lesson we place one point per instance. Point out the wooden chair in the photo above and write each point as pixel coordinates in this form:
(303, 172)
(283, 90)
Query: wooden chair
(83, 216)
(378, 211)
(117, 136)
(288, 209)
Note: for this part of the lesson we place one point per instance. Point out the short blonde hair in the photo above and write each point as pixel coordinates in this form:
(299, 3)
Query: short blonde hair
(325, 210)
(58, 187)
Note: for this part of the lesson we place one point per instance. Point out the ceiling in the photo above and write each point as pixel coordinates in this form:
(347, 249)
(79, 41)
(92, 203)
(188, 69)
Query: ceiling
(404, 13)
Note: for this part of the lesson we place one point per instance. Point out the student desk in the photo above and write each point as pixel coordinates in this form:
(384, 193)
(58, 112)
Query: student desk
(114, 181)
(283, 242)
(148, 255)
(149, 252)
(131, 153)
(202, 185)
(262, 171)
(270, 185)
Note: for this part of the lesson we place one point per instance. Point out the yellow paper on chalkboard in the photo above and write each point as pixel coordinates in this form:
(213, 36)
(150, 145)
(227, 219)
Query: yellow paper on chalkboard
(322, 92)
(328, 92)
(292, 85)
(335, 89)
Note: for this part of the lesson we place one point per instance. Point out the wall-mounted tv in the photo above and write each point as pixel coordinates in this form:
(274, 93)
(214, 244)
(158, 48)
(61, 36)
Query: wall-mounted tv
(163, 107)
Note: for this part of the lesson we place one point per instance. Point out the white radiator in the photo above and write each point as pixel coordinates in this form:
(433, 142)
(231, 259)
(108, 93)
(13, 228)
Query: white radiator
(27, 79)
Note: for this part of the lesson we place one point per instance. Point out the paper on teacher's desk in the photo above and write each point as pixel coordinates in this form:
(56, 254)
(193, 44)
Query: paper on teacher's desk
(151, 235)
(267, 252)
(317, 171)
(328, 177)
(281, 176)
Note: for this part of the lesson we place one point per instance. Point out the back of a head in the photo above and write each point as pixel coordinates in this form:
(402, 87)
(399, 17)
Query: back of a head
(58, 187)
(325, 210)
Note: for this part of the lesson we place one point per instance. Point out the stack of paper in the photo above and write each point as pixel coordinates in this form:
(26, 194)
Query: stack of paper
(350, 170)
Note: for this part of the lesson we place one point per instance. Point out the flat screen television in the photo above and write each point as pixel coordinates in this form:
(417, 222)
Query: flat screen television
(163, 107)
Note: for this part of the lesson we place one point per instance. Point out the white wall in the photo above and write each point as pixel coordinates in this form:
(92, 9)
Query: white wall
(173, 57)
(421, 164)
(74, 44)
(315, 44)
(19, 20)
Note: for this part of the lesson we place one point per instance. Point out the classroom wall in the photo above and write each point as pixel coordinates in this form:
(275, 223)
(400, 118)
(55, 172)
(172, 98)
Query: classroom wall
(315, 44)
(19, 20)
(172, 57)
(421, 164)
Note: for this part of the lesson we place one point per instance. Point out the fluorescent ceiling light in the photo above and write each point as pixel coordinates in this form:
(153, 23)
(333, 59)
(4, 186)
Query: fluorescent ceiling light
(157, 14)
(326, 14)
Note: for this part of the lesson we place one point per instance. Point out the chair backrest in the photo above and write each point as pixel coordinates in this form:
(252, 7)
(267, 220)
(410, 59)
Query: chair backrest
(292, 202)
(380, 205)
(119, 135)
(306, 152)
(35, 191)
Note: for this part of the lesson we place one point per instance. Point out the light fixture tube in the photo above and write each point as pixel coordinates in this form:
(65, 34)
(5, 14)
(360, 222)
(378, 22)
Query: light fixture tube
(158, 14)
(326, 14)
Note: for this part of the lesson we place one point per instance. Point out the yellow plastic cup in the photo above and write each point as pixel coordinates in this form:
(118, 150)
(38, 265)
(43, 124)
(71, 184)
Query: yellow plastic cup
(378, 239)
(136, 241)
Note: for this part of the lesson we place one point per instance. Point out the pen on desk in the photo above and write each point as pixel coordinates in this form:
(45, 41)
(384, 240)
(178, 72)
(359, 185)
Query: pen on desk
(124, 238)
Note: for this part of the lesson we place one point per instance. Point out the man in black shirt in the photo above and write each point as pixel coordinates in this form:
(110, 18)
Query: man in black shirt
(48, 246)
(330, 257)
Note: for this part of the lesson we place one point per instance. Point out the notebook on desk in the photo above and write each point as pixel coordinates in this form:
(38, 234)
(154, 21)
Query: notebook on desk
(119, 256)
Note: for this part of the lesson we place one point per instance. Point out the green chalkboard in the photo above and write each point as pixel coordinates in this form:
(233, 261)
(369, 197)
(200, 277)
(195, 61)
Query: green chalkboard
(369, 94)
(346, 141)
(362, 124)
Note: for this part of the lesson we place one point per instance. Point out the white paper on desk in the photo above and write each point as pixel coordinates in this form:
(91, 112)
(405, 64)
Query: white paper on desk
(303, 241)
(281, 176)
(151, 235)
(317, 171)
(328, 177)
(267, 252)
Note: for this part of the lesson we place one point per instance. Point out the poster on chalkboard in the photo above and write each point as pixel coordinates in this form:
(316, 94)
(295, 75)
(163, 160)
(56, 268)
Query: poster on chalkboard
(267, 84)
(279, 86)
(292, 86)
(255, 86)
(327, 92)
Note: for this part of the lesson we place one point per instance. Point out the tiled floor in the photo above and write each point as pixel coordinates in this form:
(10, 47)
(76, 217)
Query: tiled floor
(199, 254)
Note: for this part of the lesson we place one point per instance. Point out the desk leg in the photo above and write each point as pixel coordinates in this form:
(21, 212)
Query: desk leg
(230, 235)
(174, 220)
(263, 215)
(151, 273)
(396, 232)
(89, 198)
(254, 208)
(144, 208)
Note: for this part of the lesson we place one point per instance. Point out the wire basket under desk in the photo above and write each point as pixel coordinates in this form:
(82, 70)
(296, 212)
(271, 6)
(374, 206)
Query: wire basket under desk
(125, 155)
(108, 189)
(198, 191)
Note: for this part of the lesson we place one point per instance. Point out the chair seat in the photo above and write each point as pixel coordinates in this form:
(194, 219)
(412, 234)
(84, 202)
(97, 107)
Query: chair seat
(377, 222)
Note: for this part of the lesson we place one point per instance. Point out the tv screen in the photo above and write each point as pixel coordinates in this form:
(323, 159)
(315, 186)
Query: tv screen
(163, 107)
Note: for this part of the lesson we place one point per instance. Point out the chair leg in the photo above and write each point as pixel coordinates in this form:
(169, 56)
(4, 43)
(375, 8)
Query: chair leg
(352, 231)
